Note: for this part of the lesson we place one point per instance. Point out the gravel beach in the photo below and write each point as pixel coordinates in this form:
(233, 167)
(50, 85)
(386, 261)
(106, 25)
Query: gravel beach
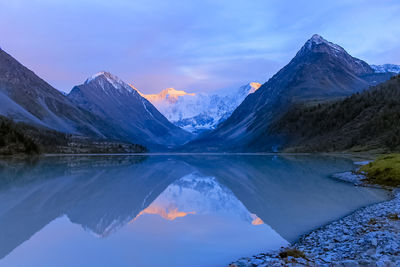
(368, 237)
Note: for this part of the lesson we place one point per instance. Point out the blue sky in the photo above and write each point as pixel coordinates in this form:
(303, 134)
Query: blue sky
(190, 45)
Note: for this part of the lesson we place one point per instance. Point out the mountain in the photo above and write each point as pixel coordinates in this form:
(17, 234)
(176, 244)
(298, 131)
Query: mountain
(100, 194)
(131, 115)
(102, 109)
(169, 95)
(362, 122)
(320, 71)
(195, 194)
(24, 97)
(386, 68)
(196, 112)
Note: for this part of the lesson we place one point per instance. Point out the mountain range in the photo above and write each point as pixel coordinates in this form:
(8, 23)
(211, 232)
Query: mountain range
(386, 68)
(118, 104)
(106, 109)
(320, 71)
(103, 108)
(196, 112)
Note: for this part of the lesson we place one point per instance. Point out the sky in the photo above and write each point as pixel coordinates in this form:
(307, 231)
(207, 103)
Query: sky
(196, 46)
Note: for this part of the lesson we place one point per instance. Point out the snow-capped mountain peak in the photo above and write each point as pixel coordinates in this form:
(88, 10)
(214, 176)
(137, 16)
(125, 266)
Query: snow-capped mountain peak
(105, 74)
(195, 194)
(196, 112)
(170, 95)
(254, 86)
(318, 47)
(133, 117)
(386, 68)
(117, 83)
(317, 40)
(248, 89)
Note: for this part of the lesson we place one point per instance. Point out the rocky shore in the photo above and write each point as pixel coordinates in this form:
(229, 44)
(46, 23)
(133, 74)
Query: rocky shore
(368, 237)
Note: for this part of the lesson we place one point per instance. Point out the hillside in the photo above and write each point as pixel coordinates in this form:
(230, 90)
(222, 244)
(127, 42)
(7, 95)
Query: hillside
(320, 71)
(25, 97)
(132, 116)
(104, 109)
(364, 121)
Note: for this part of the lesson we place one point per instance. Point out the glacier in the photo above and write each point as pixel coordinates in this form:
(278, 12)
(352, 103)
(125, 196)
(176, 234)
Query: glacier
(198, 112)
(386, 68)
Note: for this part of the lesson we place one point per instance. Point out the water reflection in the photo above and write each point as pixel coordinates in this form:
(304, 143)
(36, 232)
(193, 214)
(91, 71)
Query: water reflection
(206, 210)
(197, 194)
(291, 194)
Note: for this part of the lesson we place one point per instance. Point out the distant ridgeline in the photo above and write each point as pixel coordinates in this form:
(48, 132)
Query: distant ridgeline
(366, 121)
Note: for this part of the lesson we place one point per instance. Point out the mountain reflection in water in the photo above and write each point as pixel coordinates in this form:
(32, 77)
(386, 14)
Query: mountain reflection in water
(205, 210)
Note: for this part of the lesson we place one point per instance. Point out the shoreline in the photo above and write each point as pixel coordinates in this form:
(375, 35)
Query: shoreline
(367, 237)
(354, 155)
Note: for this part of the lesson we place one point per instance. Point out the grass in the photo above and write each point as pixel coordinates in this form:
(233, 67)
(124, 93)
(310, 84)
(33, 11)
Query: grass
(385, 170)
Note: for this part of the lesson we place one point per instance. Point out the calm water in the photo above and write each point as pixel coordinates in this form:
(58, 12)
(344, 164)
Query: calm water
(166, 210)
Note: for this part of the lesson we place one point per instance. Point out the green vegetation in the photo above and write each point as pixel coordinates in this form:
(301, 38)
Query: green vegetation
(20, 138)
(14, 141)
(366, 121)
(385, 170)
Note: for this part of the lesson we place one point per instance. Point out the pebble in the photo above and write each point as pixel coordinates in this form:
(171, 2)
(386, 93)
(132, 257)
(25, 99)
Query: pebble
(368, 237)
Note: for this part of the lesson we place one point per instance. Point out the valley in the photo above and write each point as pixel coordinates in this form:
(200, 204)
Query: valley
(259, 169)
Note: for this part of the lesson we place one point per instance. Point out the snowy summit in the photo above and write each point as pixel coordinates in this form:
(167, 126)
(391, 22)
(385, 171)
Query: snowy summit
(196, 112)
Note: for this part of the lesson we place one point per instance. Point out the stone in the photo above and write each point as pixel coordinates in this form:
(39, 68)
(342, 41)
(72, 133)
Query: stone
(350, 241)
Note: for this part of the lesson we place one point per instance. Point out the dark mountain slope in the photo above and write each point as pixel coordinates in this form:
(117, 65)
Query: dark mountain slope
(320, 70)
(111, 99)
(26, 97)
(100, 110)
(364, 121)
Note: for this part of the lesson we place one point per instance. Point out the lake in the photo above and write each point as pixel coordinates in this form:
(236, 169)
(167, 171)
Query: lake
(166, 210)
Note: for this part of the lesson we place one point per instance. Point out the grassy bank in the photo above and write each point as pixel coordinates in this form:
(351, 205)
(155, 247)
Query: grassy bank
(385, 170)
